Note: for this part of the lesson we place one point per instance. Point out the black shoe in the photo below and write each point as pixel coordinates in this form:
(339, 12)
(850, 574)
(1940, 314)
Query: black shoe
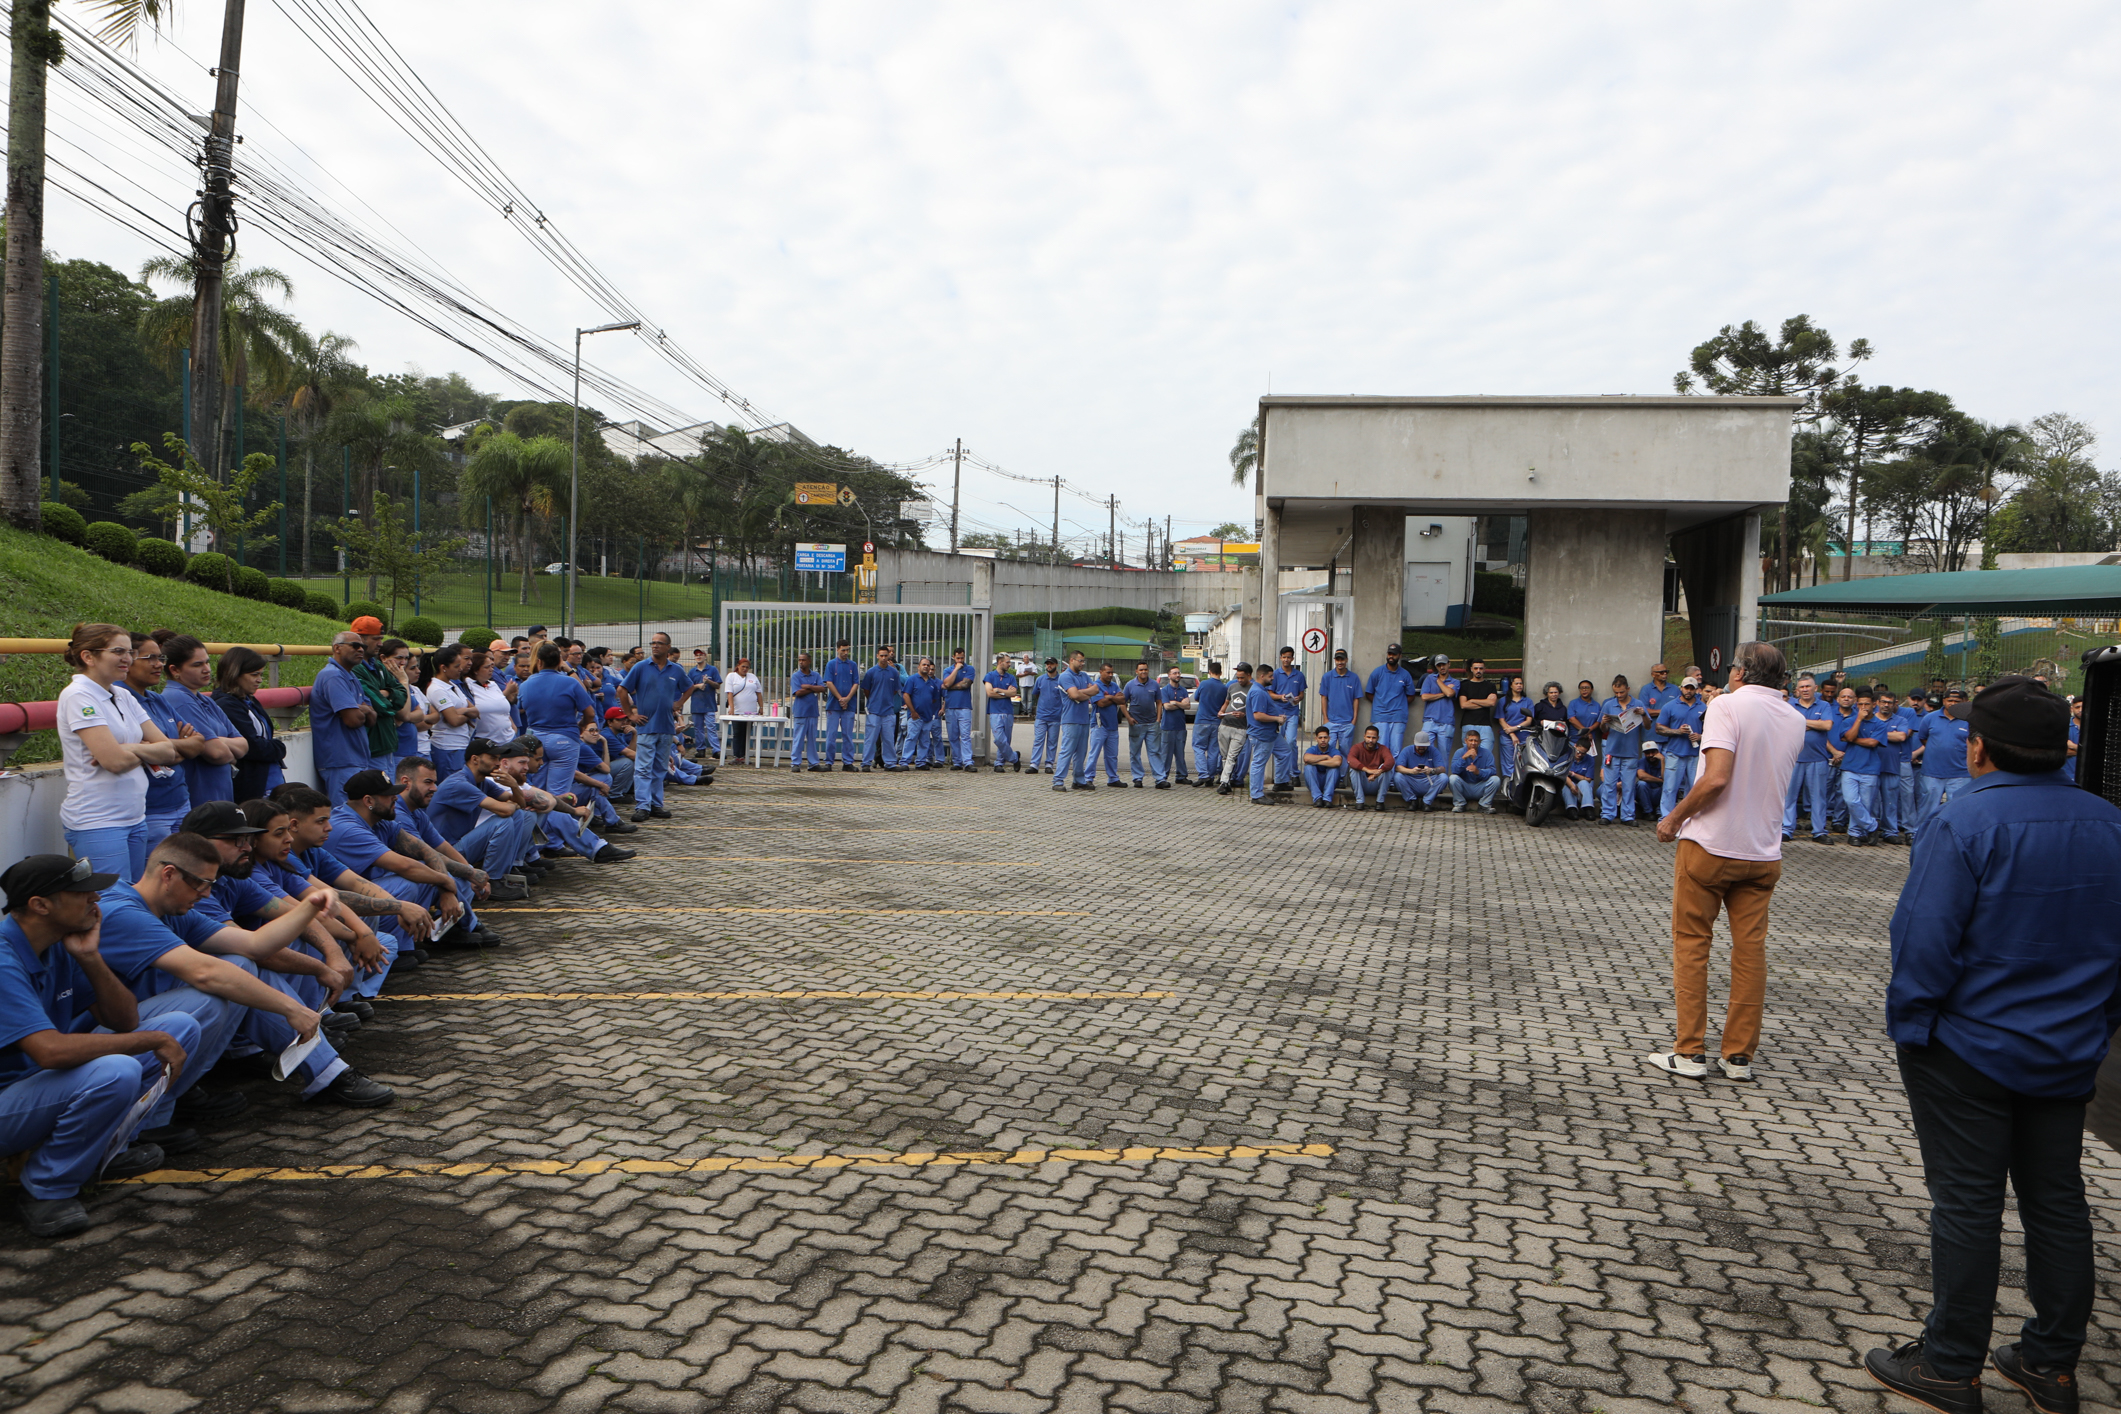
(1115, 785)
(658, 813)
(622, 827)
(610, 854)
(356, 1091)
(505, 892)
(53, 1217)
(1222, 790)
(208, 1106)
(815, 769)
(141, 1158)
(357, 1005)
(865, 769)
(419, 955)
(2050, 1391)
(1020, 768)
(642, 814)
(340, 1023)
(849, 769)
(172, 1139)
(1080, 785)
(1163, 785)
(1903, 1372)
(1137, 785)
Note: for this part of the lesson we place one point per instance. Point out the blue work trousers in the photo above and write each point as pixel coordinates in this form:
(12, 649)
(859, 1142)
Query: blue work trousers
(159, 828)
(333, 782)
(651, 759)
(1393, 735)
(1001, 727)
(1616, 793)
(1367, 789)
(919, 747)
(1074, 738)
(447, 763)
(1480, 792)
(802, 742)
(1150, 738)
(1104, 745)
(959, 720)
(1045, 743)
(64, 1119)
(1579, 794)
(215, 1022)
(880, 740)
(1418, 789)
(1276, 748)
(1808, 781)
(1860, 795)
(706, 735)
(1322, 781)
(1207, 750)
(1175, 750)
(1679, 774)
(112, 849)
(1897, 794)
(839, 732)
(498, 844)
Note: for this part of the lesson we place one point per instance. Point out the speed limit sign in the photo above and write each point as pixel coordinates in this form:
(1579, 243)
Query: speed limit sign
(1314, 640)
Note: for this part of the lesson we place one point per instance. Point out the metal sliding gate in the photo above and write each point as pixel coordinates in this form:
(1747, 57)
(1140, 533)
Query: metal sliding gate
(770, 635)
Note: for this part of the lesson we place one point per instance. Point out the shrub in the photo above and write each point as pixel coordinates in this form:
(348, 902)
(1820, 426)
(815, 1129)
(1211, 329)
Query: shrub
(477, 637)
(287, 594)
(1497, 594)
(368, 607)
(421, 630)
(112, 541)
(63, 523)
(1022, 623)
(163, 557)
(212, 569)
(253, 583)
(322, 605)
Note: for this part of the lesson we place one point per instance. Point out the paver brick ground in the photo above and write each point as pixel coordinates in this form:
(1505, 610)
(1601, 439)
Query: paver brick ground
(1513, 1214)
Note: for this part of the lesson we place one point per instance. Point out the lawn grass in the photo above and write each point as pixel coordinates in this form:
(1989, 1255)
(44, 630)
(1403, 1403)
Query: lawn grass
(461, 601)
(1021, 643)
(49, 586)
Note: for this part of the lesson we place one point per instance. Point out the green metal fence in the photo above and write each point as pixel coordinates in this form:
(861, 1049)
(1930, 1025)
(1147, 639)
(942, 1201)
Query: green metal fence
(1908, 651)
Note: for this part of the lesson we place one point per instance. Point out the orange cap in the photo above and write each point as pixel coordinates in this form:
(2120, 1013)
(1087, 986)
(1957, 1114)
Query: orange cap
(367, 623)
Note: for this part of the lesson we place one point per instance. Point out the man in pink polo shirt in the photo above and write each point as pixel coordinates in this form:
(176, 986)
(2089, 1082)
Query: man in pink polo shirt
(1729, 829)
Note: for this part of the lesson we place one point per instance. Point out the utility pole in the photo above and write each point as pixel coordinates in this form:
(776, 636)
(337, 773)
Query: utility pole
(957, 468)
(1112, 528)
(214, 240)
(1056, 523)
(1168, 561)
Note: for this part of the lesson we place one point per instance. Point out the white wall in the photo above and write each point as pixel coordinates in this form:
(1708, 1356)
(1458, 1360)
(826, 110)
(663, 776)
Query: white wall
(1022, 587)
(1439, 574)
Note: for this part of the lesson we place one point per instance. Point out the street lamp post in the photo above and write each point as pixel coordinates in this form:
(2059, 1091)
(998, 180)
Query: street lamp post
(574, 461)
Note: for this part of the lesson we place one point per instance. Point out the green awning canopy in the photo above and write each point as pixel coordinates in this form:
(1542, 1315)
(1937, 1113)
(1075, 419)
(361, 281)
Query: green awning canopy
(1102, 640)
(2067, 589)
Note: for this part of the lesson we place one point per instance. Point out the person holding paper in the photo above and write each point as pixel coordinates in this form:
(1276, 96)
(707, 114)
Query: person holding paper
(957, 710)
(75, 1059)
(1002, 691)
(1622, 718)
(372, 950)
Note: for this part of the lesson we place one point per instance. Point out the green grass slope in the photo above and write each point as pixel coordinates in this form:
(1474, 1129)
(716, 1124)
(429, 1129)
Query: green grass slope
(46, 587)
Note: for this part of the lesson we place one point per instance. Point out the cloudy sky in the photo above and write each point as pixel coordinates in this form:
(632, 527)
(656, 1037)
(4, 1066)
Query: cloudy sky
(1086, 238)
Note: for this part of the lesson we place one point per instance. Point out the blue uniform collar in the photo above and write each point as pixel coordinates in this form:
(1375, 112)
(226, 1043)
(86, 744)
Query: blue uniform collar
(1995, 779)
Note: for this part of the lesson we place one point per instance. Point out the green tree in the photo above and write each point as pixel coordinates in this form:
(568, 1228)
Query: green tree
(221, 502)
(385, 437)
(257, 336)
(1231, 530)
(2059, 503)
(1878, 421)
(320, 373)
(1993, 455)
(524, 477)
(385, 547)
(1244, 455)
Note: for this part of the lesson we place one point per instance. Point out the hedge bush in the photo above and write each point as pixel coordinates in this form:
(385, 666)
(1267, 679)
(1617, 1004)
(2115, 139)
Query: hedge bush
(477, 637)
(63, 522)
(253, 584)
(1497, 594)
(421, 629)
(287, 594)
(163, 557)
(1015, 624)
(212, 569)
(369, 608)
(322, 605)
(114, 542)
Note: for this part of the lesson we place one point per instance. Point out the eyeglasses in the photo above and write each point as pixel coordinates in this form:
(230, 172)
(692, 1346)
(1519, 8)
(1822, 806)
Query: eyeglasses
(199, 885)
(117, 652)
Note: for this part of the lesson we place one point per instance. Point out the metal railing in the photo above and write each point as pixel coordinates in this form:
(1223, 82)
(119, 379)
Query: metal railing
(771, 635)
(1907, 651)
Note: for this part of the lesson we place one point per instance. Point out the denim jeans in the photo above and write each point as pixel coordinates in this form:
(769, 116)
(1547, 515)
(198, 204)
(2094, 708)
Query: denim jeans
(1151, 740)
(651, 756)
(1975, 1134)
(1481, 792)
(839, 732)
(112, 849)
(1679, 774)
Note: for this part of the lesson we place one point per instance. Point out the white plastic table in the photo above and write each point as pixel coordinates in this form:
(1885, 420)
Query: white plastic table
(781, 739)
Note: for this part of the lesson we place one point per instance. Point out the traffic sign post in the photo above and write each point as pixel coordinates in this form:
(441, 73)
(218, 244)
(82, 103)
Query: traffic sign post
(816, 493)
(819, 558)
(1314, 640)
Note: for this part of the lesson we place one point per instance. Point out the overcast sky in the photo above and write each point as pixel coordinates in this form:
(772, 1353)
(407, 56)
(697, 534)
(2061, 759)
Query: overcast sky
(1085, 238)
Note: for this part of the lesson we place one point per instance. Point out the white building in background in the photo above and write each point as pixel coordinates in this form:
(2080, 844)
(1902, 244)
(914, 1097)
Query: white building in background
(636, 439)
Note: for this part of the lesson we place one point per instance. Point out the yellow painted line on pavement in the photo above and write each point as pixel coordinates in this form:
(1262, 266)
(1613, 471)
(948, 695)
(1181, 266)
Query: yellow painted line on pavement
(818, 859)
(865, 912)
(792, 1163)
(818, 829)
(909, 996)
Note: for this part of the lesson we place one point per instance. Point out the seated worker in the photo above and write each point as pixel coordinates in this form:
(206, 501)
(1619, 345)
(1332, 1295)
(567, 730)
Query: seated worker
(155, 946)
(75, 1053)
(1649, 782)
(1369, 769)
(1321, 767)
(368, 835)
(371, 952)
(1473, 775)
(1579, 798)
(619, 740)
(420, 838)
(597, 773)
(396, 923)
(1421, 770)
(520, 764)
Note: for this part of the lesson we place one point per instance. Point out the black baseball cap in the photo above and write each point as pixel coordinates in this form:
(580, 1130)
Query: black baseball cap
(42, 875)
(2020, 711)
(368, 783)
(521, 746)
(218, 819)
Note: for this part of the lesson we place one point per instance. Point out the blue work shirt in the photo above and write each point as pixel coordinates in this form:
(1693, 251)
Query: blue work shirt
(1620, 744)
(1260, 700)
(1072, 712)
(1173, 696)
(656, 693)
(704, 683)
(1208, 699)
(1584, 713)
(924, 697)
(1479, 769)
(1047, 703)
(47, 993)
(957, 687)
(1004, 705)
(1444, 710)
(1106, 716)
(1680, 713)
(553, 702)
(455, 806)
(2007, 940)
(320, 863)
(1515, 711)
(1413, 757)
(804, 708)
(357, 843)
(1655, 699)
(881, 687)
(1902, 720)
(133, 938)
(231, 898)
(843, 674)
(1143, 701)
(336, 746)
(1943, 743)
(1814, 748)
(1862, 756)
(1390, 689)
(1291, 682)
(2075, 757)
(168, 793)
(203, 781)
(1341, 690)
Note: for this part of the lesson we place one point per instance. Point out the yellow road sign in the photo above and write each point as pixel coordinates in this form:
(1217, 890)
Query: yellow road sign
(846, 495)
(815, 493)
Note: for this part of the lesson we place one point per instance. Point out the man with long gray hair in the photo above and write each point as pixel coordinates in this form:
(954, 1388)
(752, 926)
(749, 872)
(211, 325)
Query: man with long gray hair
(1729, 828)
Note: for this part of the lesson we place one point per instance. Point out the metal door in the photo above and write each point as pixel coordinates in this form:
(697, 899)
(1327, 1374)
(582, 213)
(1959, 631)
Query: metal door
(1307, 621)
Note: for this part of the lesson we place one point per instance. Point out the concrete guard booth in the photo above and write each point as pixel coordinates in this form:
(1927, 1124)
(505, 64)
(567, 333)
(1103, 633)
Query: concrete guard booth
(1606, 484)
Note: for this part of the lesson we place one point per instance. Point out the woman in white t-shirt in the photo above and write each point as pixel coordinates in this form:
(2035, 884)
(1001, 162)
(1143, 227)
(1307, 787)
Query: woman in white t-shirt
(740, 694)
(454, 709)
(496, 721)
(106, 739)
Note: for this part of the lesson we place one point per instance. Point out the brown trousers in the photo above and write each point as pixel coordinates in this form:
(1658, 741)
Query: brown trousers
(1703, 884)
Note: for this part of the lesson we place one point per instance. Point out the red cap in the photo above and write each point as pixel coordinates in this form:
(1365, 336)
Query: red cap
(614, 714)
(367, 623)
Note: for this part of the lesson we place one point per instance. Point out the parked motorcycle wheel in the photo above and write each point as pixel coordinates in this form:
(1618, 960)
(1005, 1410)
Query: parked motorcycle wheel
(1541, 804)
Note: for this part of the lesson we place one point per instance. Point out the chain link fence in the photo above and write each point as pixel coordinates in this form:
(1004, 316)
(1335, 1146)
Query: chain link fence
(1904, 651)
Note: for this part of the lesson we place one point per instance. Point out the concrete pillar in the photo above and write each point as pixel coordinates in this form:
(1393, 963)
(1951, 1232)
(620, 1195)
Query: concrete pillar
(1248, 637)
(1377, 571)
(1749, 579)
(1594, 597)
(982, 582)
(1719, 564)
(1263, 620)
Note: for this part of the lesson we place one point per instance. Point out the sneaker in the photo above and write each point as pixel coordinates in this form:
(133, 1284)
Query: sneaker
(1735, 1067)
(1904, 1373)
(356, 1091)
(53, 1217)
(1458, 810)
(2049, 1391)
(1490, 810)
(141, 1158)
(1672, 1063)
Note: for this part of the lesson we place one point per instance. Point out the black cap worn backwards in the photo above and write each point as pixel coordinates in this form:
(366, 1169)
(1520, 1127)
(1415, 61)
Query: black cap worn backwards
(363, 783)
(42, 875)
(2020, 711)
(218, 819)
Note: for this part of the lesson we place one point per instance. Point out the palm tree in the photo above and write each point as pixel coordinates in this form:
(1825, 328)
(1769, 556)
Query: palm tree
(1244, 455)
(34, 47)
(524, 475)
(692, 496)
(321, 372)
(383, 434)
(258, 339)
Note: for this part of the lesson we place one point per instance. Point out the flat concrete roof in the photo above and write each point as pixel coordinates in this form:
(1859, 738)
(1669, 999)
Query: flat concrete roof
(1536, 400)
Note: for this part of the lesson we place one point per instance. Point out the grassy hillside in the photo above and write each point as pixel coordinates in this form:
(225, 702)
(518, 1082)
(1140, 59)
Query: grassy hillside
(46, 587)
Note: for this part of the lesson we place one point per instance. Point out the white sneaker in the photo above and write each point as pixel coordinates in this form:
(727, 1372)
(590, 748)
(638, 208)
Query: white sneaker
(1672, 1063)
(1735, 1067)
